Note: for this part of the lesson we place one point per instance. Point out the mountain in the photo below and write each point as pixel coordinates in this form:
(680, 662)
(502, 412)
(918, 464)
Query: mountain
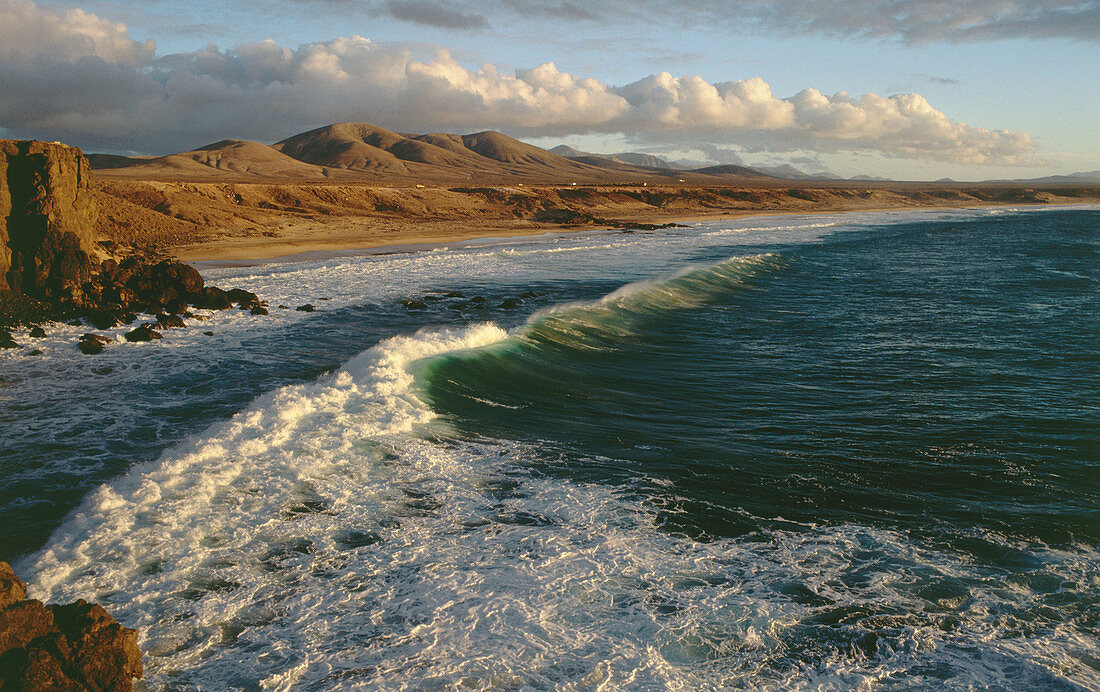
(361, 152)
(628, 158)
(1071, 178)
(730, 169)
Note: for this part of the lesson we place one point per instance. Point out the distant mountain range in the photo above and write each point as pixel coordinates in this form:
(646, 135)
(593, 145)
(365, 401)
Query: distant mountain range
(1071, 178)
(785, 172)
(363, 152)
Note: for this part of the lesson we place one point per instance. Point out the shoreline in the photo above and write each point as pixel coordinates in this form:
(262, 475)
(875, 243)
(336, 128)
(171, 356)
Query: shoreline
(248, 222)
(208, 255)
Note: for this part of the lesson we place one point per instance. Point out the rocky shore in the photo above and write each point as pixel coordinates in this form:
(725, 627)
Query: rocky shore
(62, 647)
(54, 265)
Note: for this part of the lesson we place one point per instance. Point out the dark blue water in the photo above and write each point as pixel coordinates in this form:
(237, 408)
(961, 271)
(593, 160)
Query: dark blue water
(929, 377)
(863, 455)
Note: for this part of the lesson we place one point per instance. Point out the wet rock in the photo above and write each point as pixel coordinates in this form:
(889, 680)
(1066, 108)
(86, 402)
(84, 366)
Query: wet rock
(414, 305)
(91, 344)
(6, 340)
(76, 647)
(477, 300)
(305, 308)
(284, 307)
(527, 295)
(175, 306)
(454, 294)
(170, 321)
(105, 318)
(212, 298)
(510, 304)
(35, 352)
(143, 333)
(242, 297)
(38, 333)
(258, 310)
(208, 333)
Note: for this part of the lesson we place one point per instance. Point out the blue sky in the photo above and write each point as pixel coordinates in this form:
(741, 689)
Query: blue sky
(1007, 88)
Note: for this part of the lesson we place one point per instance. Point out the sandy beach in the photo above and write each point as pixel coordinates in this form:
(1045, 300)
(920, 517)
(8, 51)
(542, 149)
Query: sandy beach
(206, 221)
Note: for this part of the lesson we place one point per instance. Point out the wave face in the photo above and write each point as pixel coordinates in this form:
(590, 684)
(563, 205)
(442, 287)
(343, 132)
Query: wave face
(856, 460)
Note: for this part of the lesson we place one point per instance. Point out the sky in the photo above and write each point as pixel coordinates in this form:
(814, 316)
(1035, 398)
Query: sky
(906, 89)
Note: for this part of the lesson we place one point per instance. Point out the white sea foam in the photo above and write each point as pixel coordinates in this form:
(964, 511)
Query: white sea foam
(332, 536)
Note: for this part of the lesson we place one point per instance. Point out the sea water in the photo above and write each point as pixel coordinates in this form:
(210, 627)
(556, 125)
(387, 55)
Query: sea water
(833, 452)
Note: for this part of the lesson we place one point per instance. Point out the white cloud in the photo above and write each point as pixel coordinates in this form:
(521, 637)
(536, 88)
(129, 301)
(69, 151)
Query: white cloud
(84, 80)
(26, 30)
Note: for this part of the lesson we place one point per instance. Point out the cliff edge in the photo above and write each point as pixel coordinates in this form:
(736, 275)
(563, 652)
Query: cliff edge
(47, 220)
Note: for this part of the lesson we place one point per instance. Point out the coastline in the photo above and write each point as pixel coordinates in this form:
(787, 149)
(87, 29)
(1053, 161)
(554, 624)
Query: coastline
(238, 221)
(336, 241)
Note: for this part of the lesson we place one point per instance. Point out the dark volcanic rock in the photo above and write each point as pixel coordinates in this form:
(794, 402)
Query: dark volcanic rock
(142, 333)
(212, 298)
(92, 344)
(38, 333)
(170, 321)
(305, 308)
(242, 297)
(76, 647)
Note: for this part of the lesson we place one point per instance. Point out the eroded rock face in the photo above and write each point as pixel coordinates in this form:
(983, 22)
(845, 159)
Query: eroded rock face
(53, 266)
(71, 647)
(47, 219)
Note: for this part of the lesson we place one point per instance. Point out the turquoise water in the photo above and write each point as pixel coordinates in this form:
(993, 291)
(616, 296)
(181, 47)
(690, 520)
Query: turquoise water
(823, 452)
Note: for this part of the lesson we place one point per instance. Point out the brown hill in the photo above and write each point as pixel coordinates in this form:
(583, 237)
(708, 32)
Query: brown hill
(228, 159)
(351, 146)
(360, 152)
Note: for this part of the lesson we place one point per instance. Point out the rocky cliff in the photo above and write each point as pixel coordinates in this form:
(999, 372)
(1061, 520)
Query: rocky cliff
(54, 647)
(47, 220)
(54, 265)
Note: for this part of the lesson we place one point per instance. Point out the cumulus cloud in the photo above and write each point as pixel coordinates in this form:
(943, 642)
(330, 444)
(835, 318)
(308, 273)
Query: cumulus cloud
(27, 31)
(116, 93)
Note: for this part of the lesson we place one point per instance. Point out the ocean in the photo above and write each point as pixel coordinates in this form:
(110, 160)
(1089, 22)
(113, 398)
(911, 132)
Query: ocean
(790, 452)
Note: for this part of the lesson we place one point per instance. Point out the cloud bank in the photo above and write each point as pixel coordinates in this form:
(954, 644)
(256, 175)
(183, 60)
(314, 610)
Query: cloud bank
(75, 77)
(910, 21)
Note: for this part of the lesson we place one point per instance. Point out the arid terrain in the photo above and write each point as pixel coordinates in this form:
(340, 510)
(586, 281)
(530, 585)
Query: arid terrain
(353, 185)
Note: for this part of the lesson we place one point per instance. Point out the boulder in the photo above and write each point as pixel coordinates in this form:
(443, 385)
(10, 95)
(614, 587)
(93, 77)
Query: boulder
(305, 308)
(510, 303)
(92, 344)
(212, 298)
(75, 647)
(6, 340)
(258, 310)
(170, 321)
(414, 305)
(143, 333)
(38, 333)
(242, 297)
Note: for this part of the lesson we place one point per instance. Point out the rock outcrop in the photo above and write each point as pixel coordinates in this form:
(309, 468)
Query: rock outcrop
(53, 265)
(62, 647)
(47, 219)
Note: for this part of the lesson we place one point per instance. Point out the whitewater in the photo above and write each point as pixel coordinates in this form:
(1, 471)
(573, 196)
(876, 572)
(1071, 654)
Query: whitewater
(795, 452)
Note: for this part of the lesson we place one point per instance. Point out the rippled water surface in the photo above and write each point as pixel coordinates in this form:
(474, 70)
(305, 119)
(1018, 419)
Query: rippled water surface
(787, 452)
